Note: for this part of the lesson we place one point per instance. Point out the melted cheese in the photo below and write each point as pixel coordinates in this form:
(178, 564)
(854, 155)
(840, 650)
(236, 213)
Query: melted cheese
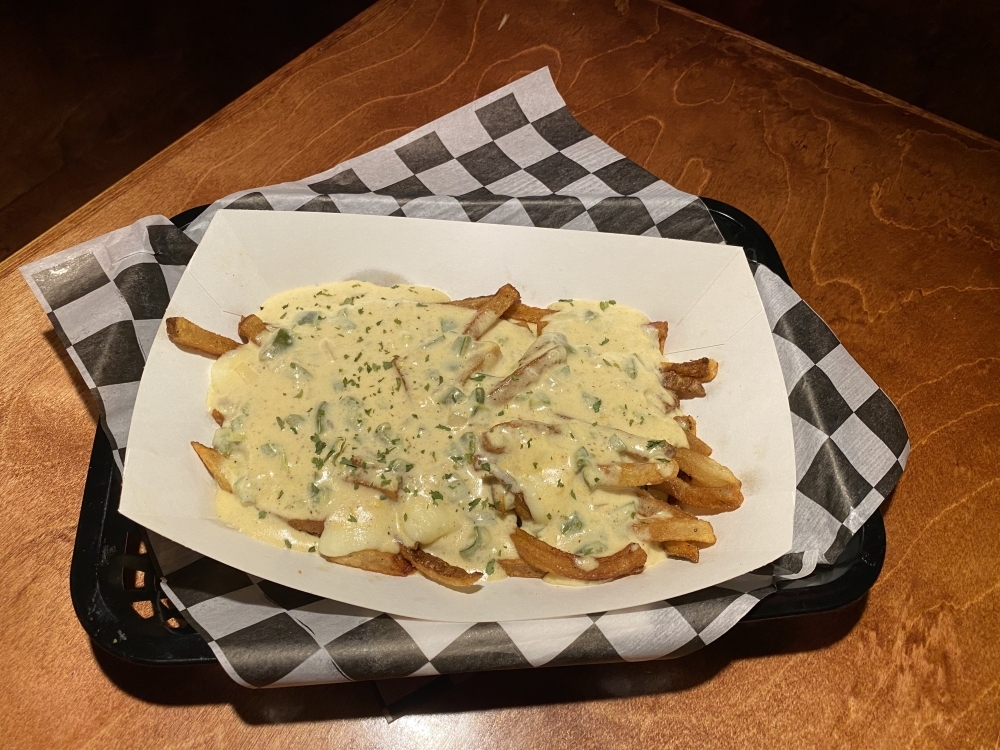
(366, 408)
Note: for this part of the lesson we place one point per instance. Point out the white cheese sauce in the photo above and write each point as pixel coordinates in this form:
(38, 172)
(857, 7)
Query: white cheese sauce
(367, 409)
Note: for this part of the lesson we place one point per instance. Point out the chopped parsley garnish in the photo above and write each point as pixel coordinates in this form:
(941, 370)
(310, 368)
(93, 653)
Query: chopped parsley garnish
(606, 305)
(435, 495)
(596, 406)
(262, 514)
(288, 544)
(489, 568)
(352, 519)
(572, 494)
(652, 444)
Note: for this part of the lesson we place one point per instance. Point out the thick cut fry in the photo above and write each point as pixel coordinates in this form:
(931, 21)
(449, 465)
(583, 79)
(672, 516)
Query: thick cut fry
(709, 498)
(695, 443)
(188, 335)
(683, 387)
(373, 560)
(538, 554)
(482, 356)
(218, 416)
(684, 550)
(214, 461)
(543, 355)
(516, 568)
(677, 529)
(438, 570)
(312, 526)
(637, 475)
(521, 507)
(705, 471)
(703, 370)
(661, 332)
(491, 311)
(250, 329)
(363, 475)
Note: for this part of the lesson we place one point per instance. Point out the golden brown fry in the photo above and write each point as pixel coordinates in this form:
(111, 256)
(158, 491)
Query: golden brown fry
(684, 550)
(518, 311)
(538, 554)
(637, 475)
(649, 505)
(491, 311)
(539, 358)
(521, 507)
(703, 370)
(373, 560)
(218, 416)
(438, 570)
(661, 332)
(250, 329)
(676, 529)
(483, 355)
(495, 439)
(682, 386)
(214, 462)
(182, 332)
(709, 498)
(516, 568)
(705, 471)
(695, 443)
(311, 526)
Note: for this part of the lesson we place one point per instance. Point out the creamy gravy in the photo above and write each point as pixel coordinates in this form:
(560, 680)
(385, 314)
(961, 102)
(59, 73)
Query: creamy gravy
(368, 409)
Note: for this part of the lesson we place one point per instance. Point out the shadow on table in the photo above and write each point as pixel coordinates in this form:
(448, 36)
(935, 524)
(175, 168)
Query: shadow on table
(209, 684)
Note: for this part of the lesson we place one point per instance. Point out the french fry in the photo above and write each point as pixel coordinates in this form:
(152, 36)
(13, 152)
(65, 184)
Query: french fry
(684, 387)
(695, 443)
(521, 507)
(218, 416)
(541, 356)
(518, 311)
(684, 550)
(375, 561)
(482, 356)
(637, 475)
(182, 332)
(250, 329)
(705, 471)
(542, 556)
(709, 498)
(491, 311)
(310, 526)
(661, 328)
(516, 568)
(437, 569)
(214, 462)
(703, 370)
(676, 529)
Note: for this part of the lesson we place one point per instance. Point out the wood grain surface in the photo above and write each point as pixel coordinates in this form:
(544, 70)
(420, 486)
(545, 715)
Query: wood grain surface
(888, 221)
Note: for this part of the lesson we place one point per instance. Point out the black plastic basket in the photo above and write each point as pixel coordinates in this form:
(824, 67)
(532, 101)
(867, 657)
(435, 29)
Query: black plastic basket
(115, 581)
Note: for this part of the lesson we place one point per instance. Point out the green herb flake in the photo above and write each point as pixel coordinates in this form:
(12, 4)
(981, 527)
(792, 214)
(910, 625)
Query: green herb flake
(288, 544)
(596, 405)
(489, 568)
(435, 495)
(352, 519)
(262, 514)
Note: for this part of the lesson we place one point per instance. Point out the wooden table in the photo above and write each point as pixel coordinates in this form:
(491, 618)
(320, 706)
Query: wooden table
(888, 221)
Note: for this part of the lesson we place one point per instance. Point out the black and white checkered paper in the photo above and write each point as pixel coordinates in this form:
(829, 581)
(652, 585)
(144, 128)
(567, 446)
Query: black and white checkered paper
(516, 156)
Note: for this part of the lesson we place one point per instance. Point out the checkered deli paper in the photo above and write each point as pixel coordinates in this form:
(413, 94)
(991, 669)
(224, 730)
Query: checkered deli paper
(515, 156)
